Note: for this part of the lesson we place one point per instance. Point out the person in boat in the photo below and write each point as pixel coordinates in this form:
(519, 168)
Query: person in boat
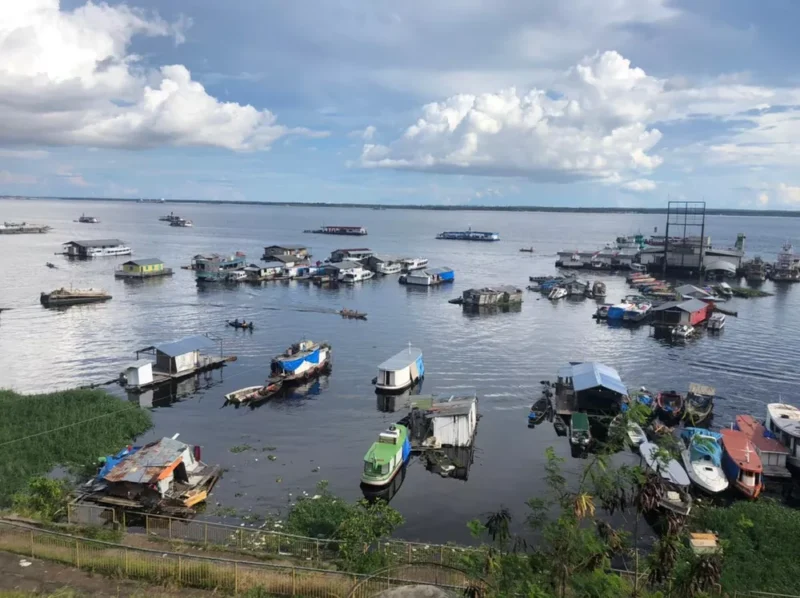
(236, 322)
(244, 324)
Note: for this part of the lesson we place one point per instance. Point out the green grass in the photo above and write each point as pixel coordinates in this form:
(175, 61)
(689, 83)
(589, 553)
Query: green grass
(33, 422)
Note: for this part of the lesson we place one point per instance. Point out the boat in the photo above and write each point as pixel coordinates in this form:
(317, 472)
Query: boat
(675, 496)
(557, 293)
(170, 218)
(634, 434)
(579, 433)
(683, 331)
(617, 311)
(64, 296)
(468, 235)
(637, 312)
(428, 277)
(356, 275)
(87, 219)
(699, 404)
(716, 321)
(602, 312)
(702, 459)
(352, 314)
(599, 290)
(527, 250)
(786, 268)
(181, 223)
(386, 456)
(670, 406)
(386, 268)
(724, 289)
(772, 453)
(51, 265)
(741, 463)
(254, 393)
(783, 420)
(574, 261)
(415, 263)
(538, 412)
(302, 360)
(638, 267)
(357, 231)
(400, 371)
(756, 270)
(559, 426)
(243, 325)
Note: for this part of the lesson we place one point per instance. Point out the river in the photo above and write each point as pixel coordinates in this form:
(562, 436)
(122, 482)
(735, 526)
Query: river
(322, 431)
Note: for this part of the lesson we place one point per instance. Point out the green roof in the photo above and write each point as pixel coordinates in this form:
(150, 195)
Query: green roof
(382, 452)
(580, 421)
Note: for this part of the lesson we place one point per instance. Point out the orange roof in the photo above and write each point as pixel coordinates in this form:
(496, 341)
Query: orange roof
(751, 428)
(741, 450)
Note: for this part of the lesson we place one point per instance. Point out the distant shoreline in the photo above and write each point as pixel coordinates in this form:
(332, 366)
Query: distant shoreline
(461, 208)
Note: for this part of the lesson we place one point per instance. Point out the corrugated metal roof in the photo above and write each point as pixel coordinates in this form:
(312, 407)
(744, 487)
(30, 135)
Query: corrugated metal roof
(591, 375)
(183, 346)
(403, 359)
(721, 265)
(690, 305)
(289, 247)
(97, 243)
(343, 265)
(147, 261)
(147, 464)
(437, 270)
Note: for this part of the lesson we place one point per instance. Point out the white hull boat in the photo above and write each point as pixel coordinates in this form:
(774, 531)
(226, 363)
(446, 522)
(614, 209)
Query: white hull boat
(557, 293)
(676, 496)
(356, 275)
(392, 268)
(417, 263)
(716, 322)
(636, 435)
(783, 420)
(704, 474)
(683, 331)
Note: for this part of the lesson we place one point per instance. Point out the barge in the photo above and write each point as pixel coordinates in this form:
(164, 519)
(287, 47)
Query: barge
(468, 235)
(73, 297)
(356, 231)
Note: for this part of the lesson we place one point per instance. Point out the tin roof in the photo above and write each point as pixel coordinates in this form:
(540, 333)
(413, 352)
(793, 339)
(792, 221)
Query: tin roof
(149, 463)
(441, 270)
(402, 360)
(690, 305)
(96, 243)
(183, 346)
(147, 261)
(591, 375)
(290, 247)
(758, 435)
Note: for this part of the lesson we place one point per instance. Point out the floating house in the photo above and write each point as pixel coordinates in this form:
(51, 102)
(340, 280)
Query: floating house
(358, 231)
(296, 251)
(688, 291)
(401, 371)
(429, 277)
(607, 258)
(143, 268)
(381, 264)
(256, 273)
(468, 235)
(97, 248)
(286, 261)
(677, 313)
(450, 423)
(356, 255)
(500, 295)
(165, 475)
(175, 360)
(218, 268)
(590, 387)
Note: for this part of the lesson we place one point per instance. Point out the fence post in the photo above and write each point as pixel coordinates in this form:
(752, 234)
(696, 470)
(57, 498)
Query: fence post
(235, 577)
(69, 513)
(180, 569)
(205, 535)
(316, 542)
(170, 527)
(241, 538)
(147, 525)
(127, 566)
(408, 551)
(31, 543)
(294, 582)
(77, 553)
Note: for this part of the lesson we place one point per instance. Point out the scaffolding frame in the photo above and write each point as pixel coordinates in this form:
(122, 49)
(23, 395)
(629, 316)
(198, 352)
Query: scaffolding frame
(685, 216)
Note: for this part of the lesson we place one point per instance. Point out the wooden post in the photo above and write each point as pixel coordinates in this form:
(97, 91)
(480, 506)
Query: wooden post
(180, 569)
(441, 555)
(77, 554)
(294, 582)
(235, 577)
(32, 544)
(147, 525)
(170, 527)
(241, 538)
(205, 535)
(317, 544)
(127, 566)
(408, 551)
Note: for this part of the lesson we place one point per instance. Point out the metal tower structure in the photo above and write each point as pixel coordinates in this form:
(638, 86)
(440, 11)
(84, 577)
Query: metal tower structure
(684, 220)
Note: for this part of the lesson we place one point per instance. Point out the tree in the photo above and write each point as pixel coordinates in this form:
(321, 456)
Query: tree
(43, 499)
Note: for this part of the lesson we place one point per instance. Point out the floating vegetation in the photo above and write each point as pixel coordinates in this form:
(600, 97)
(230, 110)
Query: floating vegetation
(71, 428)
(747, 292)
(272, 457)
(241, 448)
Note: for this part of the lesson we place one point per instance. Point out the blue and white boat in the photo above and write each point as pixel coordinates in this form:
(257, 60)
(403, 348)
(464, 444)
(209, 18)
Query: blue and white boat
(468, 235)
(702, 459)
(301, 361)
(617, 312)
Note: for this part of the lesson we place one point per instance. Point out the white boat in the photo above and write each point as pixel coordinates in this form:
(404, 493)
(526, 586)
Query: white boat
(557, 293)
(683, 331)
(676, 495)
(414, 263)
(638, 267)
(702, 459)
(716, 321)
(356, 275)
(108, 251)
(400, 371)
(725, 289)
(181, 223)
(637, 312)
(388, 268)
(573, 262)
(634, 432)
(784, 421)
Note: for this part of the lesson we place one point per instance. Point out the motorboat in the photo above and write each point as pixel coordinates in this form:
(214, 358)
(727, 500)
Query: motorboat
(637, 312)
(243, 325)
(675, 494)
(634, 434)
(716, 321)
(580, 434)
(557, 293)
(702, 459)
(356, 275)
(683, 331)
(670, 406)
(254, 393)
(599, 290)
(725, 290)
(602, 312)
(538, 412)
(87, 219)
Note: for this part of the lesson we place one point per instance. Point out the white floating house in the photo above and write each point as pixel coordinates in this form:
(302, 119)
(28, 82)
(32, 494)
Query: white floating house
(401, 371)
(139, 373)
(428, 277)
(454, 422)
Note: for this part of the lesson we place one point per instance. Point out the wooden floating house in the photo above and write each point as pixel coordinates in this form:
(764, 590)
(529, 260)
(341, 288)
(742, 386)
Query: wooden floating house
(436, 424)
(677, 313)
(590, 387)
(295, 251)
(428, 277)
(400, 371)
(218, 268)
(488, 296)
(173, 361)
(142, 268)
(356, 255)
(96, 248)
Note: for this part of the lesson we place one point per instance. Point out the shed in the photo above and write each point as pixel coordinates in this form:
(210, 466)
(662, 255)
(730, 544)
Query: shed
(454, 421)
(181, 355)
(675, 313)
(139, 373)
(498, 295)
(597, 388)
(143, 265)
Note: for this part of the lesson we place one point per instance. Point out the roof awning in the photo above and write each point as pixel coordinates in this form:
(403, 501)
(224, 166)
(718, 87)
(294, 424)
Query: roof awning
(183, 346)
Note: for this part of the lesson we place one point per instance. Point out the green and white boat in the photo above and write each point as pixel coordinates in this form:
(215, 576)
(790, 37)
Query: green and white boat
(386, 456)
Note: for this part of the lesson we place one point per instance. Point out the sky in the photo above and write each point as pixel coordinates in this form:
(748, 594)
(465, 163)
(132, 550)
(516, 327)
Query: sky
(452, 102)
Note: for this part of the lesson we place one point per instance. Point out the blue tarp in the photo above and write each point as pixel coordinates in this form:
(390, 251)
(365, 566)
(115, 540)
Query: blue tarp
(592, 375)
(290, 365)
(112, 460)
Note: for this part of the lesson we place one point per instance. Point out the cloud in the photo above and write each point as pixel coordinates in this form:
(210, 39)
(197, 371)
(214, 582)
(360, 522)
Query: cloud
(788, 194)
(366, 134)
(23, 154)
(639, 185)
(763, 199)
(68, 78)
(10, 178)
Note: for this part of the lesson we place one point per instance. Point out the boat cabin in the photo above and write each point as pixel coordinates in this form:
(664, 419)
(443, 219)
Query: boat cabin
(358, 254)
(591, 387)
(296, 251)
(741, 463)
(400, 371)
(676, 313)
(180, 356)
(96, 248)
(430, 276)
(139, 373)
(773, 454)
(783, 421)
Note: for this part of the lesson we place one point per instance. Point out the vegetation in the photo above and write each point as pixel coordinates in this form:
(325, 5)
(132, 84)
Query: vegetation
(748, 292)
(70, 428)
(43, 499)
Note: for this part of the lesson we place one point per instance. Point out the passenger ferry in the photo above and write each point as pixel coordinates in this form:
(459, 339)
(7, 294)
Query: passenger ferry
(414, 263)
(358, 231)
(468, 235)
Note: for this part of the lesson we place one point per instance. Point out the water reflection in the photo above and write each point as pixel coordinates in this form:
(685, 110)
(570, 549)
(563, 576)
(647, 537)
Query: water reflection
(165, 395)
(450, 462)
(388, 492)
(472, 311)
(391, 403)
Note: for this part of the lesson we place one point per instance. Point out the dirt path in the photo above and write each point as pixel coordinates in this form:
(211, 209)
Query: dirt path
(47, 577)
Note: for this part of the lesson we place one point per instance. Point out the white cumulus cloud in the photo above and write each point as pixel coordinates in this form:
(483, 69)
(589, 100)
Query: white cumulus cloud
(639, 185)
(67, 77)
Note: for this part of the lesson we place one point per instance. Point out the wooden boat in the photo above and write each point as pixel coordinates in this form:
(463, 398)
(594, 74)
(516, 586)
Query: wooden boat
(51, 265)
(670, 406)
(741, 463)
(634, 434)
(302, 360)
(783, 420)
(675, 496)
(702, 458)
(527, 250)
(352, 314)
(699, 404)
(580, 435)
(254, 393)
(559, 426)
(773, 454)
(683, 331)
(538, 412)
(73, 296)
(243, 325)
(716, 321)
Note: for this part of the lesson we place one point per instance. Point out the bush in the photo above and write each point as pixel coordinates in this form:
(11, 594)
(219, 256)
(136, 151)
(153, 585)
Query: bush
(43, 499)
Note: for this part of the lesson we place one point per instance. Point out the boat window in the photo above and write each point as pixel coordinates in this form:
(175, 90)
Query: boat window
(368, 467)
(748, 479)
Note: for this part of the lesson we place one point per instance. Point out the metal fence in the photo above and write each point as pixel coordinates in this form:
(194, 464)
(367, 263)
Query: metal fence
(214, 573)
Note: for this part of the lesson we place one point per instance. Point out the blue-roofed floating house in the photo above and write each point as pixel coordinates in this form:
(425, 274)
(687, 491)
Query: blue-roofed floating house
(400, 371)
(429, 277)
(301, 361)
(177, 359)
(590, 387)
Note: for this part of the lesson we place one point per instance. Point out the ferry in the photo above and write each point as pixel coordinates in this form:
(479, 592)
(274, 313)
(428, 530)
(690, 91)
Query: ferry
(88, 219)
(181, 222)
(302, 360)
(73, 296)
(386, 456)
(741, 463)
(358, 231)
(171, 217)
(415, 263)
(468, 235)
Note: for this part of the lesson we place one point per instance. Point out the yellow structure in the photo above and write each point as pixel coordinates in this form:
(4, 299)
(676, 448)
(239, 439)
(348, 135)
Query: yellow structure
(143, 268)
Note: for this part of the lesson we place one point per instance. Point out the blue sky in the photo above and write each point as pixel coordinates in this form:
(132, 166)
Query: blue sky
(491, 102)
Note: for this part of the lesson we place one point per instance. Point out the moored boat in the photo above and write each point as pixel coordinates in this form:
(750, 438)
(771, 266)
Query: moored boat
(741, 463)
(84, 219)
(254, 393)
(699, 404)
(617, 311)
(599, 290)
(602, 312)
(772, 453)
(73, 296)
(637, 312)
(675, 495)
(633, 433)
(400, 371)
(355, 275)
(702, 459)
(683, 331)
(783, 420)
(243, 324)
(580, 434)
(302, 360)
(557, 293)
(386, 456)
(411, 264)
(538, 412)
(670, 406)
(716, 321)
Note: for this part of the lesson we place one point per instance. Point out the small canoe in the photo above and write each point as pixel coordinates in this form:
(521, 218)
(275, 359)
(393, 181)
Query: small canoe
(352, 314)
(50, 265)
(247, 326)
(253, 393)
(538, 412)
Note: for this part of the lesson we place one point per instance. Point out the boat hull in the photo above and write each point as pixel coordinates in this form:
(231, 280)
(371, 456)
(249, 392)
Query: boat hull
(706, 476)
(55, 302)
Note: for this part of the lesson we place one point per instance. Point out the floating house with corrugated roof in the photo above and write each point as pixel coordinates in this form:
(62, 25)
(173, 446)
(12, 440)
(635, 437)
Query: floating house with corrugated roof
(150, 267)
(590, 387)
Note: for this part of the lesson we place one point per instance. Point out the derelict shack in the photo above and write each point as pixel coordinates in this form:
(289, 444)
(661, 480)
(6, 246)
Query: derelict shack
(500, 295)
(449, 423)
